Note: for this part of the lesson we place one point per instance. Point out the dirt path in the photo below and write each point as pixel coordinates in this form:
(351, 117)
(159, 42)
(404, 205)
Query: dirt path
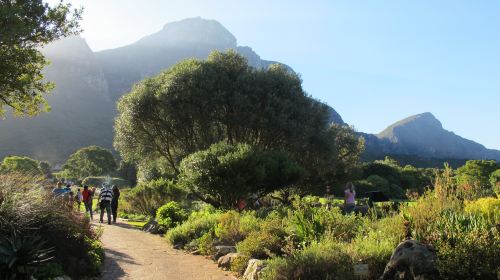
(133, 254)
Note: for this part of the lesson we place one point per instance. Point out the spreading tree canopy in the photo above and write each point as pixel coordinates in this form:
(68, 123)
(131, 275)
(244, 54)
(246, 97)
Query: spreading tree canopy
(197, 103)
(25, 26)
(89, 161)
(21, 164)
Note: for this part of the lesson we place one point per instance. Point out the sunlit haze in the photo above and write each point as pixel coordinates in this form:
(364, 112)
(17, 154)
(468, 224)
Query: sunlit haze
(374, 62)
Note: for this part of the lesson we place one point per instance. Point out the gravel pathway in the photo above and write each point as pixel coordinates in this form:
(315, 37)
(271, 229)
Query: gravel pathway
(133, 254)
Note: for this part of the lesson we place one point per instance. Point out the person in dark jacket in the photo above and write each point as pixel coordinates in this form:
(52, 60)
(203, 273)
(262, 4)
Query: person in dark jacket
(105, 198)
(114, 202)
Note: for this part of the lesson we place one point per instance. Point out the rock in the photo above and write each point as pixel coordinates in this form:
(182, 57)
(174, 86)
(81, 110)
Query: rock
(225, 261)
(178, 246)
(253, 270)
(222, 250)
(151, 227)
(412, 260)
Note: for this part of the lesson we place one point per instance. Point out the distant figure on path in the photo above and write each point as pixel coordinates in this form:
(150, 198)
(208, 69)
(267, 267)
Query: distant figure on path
(105, 198)
(87, 196)
(79, 198)
(58, 190)
(349, 198)
(114, 202)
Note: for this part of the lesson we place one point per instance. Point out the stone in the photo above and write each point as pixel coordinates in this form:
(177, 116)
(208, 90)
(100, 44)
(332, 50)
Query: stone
(222, 251)
(151, 227)
(225, 261)
(412, 260)
(254, 269)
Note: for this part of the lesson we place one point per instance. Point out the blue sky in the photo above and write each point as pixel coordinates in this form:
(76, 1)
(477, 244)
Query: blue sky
(375, 62)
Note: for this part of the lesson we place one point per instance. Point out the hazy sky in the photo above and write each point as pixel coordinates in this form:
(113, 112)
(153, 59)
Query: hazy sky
(375, 62)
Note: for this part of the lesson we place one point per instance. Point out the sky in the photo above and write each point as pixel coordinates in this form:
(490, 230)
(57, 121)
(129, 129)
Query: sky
(375, 62)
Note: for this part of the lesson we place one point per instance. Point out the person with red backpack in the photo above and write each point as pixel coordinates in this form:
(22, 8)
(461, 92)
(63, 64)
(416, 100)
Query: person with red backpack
(87, 196)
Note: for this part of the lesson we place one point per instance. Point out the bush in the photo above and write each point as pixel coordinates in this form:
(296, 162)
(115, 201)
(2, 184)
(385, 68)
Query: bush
(489, 207)
(324, 260)
(45, 227)
(266, 242)
(312, 223)
(170, 215)
(206, 243)
(147, 197)
(233, 226)
(468, 246)
(223, 174)
(198, 224)
(375, 244)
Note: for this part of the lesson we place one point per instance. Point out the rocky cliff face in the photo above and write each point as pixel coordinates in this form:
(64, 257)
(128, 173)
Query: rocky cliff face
(81, 111)
(88, 85)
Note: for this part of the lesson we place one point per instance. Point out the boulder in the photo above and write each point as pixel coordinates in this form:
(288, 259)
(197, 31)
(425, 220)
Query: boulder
(412, 260)
(151, 227)
(222, 251)
(225, 261)
(253, 270)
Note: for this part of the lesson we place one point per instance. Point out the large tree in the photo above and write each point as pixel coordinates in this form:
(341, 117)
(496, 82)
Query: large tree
(197, 103)
(89, 161)
(25, 26)
(21, 164)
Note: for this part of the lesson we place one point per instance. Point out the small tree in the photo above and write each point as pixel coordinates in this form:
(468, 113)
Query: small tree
(225, 173)
(90, 161)
(19, 164)
(476, 172)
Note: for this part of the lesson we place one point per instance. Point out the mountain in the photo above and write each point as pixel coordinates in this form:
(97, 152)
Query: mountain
(423, 136)
(88, 85)
(188, 38)
(81, 107)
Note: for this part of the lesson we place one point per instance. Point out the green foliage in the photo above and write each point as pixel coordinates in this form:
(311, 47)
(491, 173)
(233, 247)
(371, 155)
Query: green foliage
(90, 161)
(20, 255)
(98, 181)
(311, 224)
(197, 103)
(24, 165)
(26, 27)
(476, 172)
(239, 264)
(198, 224)
(147, 197)
(233, 226)
(170, 215)
(36, 224)
(224, 173)
(206, 243)
(468, 246)
(375, 243)
(495, 180)
(265, 242)
(324, 260)
(488, 207)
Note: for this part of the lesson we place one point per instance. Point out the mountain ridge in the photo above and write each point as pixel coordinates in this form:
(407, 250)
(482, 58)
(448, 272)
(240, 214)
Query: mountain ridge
(89, 83)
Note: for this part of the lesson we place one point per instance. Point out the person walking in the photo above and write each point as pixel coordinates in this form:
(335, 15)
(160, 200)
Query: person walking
(349, 198)
(105, 198)
(114, 202)
(87, 196)
(79, 198)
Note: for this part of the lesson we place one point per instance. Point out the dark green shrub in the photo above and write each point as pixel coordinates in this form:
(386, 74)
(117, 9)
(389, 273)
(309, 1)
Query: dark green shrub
(319, 261)
(223, 174)
(170, 215)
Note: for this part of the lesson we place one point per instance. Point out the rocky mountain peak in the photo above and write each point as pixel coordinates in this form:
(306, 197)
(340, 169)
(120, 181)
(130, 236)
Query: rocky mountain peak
(191, 31)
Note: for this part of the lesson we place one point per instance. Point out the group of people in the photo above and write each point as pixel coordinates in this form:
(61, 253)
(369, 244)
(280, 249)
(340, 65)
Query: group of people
(107, 199)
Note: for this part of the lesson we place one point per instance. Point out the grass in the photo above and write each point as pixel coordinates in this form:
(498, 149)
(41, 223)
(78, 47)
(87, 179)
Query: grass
(136, 224)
